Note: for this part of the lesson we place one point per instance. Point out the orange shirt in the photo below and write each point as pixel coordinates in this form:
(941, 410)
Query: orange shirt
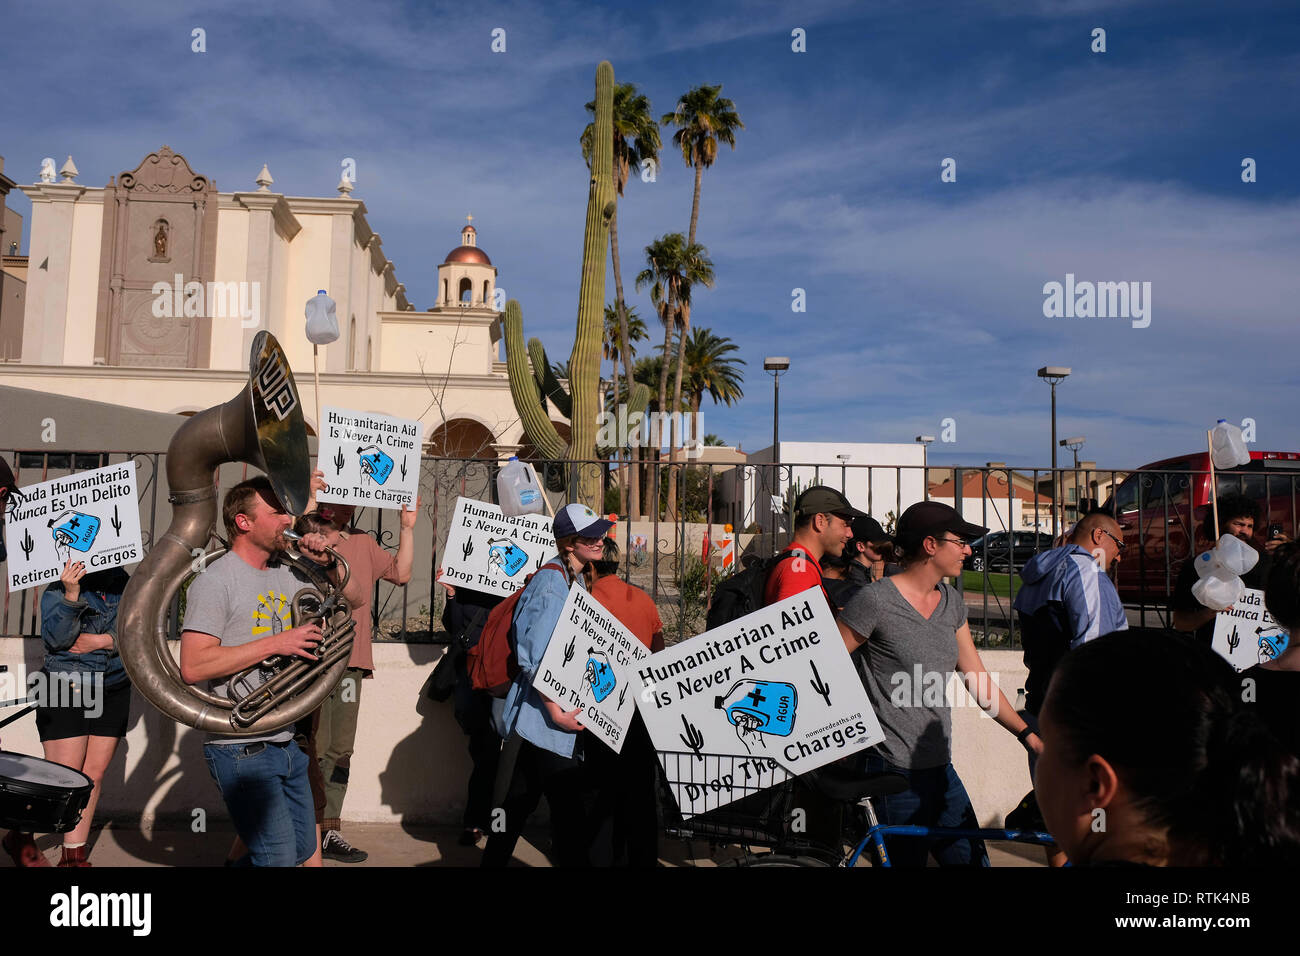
(633, 608)
(368, 563)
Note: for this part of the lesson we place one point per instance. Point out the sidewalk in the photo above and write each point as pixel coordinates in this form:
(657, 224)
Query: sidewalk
(390, 844)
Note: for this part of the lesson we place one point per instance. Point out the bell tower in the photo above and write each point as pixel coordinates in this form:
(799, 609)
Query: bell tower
(466, 278)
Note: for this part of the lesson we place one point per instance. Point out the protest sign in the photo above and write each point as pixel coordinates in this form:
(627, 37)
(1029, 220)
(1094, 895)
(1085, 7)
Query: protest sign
(370, 460)
(92, 517)
(762, 697)
(488, 551)
(1246, 635)
(589, 664)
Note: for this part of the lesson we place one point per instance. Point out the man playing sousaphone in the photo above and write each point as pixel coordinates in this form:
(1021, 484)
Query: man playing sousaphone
(237, 615)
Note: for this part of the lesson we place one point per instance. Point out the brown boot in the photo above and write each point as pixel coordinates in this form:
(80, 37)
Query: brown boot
(22, 848)
(76, 856)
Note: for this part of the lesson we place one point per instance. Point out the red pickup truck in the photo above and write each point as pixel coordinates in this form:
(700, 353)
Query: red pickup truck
(1162, 507)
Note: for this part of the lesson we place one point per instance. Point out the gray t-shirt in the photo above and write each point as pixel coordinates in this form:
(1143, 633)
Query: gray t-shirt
(238, 604)
(909, 662)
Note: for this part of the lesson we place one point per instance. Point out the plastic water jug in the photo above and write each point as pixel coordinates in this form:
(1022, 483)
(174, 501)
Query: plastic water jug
(762, 705)
(599, 674)
(322, 322)
(72, 529)
(376, 463)
(518, 490)
(1217, 591)
(1227, 447)
(506, 555)
(1230, 557)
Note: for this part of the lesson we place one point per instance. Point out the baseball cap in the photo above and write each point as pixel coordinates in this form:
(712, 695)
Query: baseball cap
(819, 499)
(580, 520)
(867, 529)
(926, 518)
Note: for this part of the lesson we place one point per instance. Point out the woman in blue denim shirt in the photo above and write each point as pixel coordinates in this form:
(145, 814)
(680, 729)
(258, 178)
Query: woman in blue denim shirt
(86, 701)
(550, 752)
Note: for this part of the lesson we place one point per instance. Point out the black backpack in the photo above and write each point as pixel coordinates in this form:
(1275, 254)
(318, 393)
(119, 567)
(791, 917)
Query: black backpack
(742, 593)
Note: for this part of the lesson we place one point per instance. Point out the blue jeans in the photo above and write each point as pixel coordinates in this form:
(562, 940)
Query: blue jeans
(936, 799)
(265, 789)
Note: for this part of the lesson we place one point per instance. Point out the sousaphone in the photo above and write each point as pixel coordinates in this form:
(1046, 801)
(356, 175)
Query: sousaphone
(263, 426)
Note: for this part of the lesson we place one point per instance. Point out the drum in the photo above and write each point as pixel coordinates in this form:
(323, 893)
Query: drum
(38, 796)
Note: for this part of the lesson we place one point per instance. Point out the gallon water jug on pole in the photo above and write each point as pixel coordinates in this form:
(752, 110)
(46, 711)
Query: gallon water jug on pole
(518, 490)
(322, 329)
(1227, 446)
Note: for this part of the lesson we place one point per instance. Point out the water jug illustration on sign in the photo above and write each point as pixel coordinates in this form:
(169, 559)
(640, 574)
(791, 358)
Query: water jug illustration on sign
(375, 464)
(72, 529)
(760, 707)
(506, 555)
(599, 675)
(1272, 642)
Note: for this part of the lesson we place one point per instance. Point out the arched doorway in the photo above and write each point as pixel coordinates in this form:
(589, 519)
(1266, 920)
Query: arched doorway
(462, 438)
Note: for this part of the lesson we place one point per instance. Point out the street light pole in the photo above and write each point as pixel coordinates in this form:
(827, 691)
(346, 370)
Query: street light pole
(776, 364)
(1054, 375)
(1074, 444)
(924, 441)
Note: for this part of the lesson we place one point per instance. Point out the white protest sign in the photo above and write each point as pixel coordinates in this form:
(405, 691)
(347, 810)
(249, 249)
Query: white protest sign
(92, 516)
(589, 664)
(490, 552)
(370, 460)
(1246, 635)
(741, 707)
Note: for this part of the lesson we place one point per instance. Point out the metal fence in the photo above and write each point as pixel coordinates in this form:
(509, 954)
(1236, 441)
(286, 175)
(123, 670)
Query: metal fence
(676, 557)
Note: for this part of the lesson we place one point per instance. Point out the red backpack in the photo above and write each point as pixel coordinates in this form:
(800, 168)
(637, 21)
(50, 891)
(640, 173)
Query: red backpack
(491, 662)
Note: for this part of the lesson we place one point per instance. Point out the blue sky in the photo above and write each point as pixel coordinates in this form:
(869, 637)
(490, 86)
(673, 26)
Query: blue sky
(924, 298)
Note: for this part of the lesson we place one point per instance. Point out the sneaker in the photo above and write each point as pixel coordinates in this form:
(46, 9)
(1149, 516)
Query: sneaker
(334, 847)
(23, 849)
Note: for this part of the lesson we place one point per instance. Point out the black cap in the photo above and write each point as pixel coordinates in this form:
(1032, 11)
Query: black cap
(819, 499)
(868, 530)
(926, 518)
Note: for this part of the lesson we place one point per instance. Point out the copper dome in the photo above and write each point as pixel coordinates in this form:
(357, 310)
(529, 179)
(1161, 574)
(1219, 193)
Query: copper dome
(469, 254)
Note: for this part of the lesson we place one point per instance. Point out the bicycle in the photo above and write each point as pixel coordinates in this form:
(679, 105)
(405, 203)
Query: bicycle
(777, 817)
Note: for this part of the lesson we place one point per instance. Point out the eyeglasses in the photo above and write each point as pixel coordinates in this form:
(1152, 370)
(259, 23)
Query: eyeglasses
(589, 542)
(1119, 545)
(961, 543)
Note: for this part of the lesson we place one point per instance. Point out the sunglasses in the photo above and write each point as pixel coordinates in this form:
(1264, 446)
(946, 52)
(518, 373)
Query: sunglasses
(1120, 546)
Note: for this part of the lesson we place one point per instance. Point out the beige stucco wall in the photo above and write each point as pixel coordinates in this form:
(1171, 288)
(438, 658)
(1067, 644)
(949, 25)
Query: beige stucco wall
(410, 763)
(232, 266)
(83, 280)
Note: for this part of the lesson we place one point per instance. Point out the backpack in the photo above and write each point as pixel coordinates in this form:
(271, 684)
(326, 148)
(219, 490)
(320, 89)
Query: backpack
(742, 592)
(491, 662)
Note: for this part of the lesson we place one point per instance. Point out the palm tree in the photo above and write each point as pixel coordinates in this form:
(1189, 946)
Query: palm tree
(710, 369)
(674, 267)
(702, 119)
(636, 140)
(614, 331)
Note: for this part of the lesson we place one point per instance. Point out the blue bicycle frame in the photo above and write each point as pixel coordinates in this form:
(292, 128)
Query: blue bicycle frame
(940, 833)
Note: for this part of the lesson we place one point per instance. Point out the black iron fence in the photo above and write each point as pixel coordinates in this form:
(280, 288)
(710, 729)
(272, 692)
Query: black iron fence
(678, 556)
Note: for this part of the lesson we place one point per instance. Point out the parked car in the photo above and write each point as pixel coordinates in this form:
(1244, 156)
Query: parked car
(1005, 550)
(1162, 507)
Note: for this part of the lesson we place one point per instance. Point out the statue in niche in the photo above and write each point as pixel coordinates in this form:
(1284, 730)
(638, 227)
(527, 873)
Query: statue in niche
(160, 241)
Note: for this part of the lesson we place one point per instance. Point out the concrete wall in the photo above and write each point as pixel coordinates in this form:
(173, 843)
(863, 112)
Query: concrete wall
(411, 764)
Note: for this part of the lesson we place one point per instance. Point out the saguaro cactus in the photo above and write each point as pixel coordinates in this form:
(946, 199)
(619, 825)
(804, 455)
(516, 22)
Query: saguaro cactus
(530, 389)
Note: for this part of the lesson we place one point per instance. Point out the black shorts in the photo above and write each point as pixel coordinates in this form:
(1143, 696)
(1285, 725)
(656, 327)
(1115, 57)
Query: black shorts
(109, 720)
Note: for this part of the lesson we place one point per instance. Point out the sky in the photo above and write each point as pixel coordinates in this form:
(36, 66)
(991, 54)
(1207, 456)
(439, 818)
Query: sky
(923, 298)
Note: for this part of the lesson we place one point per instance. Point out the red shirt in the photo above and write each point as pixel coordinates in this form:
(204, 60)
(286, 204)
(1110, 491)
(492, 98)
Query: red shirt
(633, 608)
(792, 576)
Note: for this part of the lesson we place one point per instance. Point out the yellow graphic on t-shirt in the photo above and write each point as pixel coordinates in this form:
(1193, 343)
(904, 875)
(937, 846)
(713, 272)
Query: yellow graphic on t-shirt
(267, 617)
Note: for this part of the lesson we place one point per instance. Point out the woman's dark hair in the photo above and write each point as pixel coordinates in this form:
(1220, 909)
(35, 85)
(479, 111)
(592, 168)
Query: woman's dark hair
(1168, 715)
(106, 581)
(1282, 589)
(313, 522)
